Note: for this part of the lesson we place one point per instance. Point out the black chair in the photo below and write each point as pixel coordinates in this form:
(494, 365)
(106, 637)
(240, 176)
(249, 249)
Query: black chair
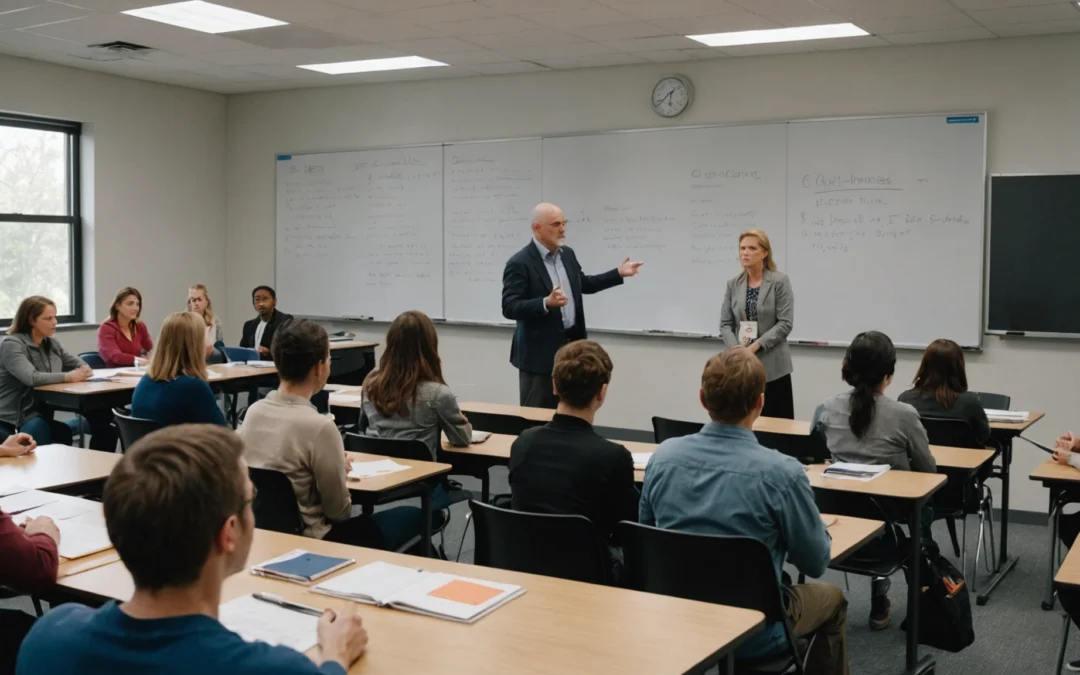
(563, 546)
(92, 359)
(736, 571)
(664, 428)
(994, 401)
(275, 504)
(132, 428)
(966, 495)
(321, 401)
(511, 425)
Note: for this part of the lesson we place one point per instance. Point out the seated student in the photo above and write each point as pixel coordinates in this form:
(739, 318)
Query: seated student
(31, 357)
(722, 481)
(122, 339)
(28, 562)
(175, 389)
(1067, 453)
(406, 396)
(259, 332)
(198, 301)
(940, 389)
(284, 432)
(178, 509)
(866, 427)
(565, 466)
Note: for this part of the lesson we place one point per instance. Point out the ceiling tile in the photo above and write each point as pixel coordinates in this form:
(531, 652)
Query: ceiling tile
(16, 5)
(458, 11)
(572, 50)
(763, 49)
(43, 14)
(861, 42)
(717, 23)
(291, 36)
(35, 41)
(393, 5)
(955, 35)
(374, 28)
(619, 31)
(247, 57)
(109, 6)
(293, 11)
(527, 39)
(597, 61)
(852, 10)
(505, 68)
(338, 54)
(531, 6)
(802, 13)
(674, 9)
(474, 58)
(98, 28)
(442, 46)
(996, 4)
(653, 44)
(673, 55)
(503, 24)
(1038, 28)
(916, 24)
(579, 18)
(992, 18)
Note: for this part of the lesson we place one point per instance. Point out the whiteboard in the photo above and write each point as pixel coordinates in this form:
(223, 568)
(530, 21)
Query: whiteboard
(885, 228)
(359, 234)
(490, 190)
(676, 199)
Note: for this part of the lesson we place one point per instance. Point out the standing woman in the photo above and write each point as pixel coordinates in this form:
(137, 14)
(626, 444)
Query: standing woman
(122, 339)
(31, 357)
(198, 301)
(760, 300)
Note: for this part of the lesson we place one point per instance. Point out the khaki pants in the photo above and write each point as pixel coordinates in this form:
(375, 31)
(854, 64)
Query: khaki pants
(820, 610)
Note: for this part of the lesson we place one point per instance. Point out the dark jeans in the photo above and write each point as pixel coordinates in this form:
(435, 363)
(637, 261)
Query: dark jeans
(779, 400)
(41, 430)
(536, 390)
(1069, 528)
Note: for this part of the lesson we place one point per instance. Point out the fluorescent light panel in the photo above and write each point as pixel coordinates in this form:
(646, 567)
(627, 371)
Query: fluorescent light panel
(757, 37)
(372, 65)
(205, 17)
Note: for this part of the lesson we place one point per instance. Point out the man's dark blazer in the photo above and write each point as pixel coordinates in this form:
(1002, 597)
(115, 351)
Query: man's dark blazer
(247, 338)
(526, 284)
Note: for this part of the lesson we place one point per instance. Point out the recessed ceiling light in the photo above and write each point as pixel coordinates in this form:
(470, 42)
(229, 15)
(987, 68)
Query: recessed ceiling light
(205, 17)
(757, 37)
(372, 65)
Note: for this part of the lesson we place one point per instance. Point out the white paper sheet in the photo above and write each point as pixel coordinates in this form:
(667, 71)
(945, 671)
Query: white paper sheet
(872, 470)
(641, 459)
(257, 621)
(12, 489)
(379, 468)
(261, 364)
(24, 501)
(57, 511)
(342, 399)
(1006, 415)
(480, 436)
(79, 539)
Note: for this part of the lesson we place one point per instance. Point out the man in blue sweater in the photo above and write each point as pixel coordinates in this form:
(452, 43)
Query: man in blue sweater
(721, 481)
(178, 509)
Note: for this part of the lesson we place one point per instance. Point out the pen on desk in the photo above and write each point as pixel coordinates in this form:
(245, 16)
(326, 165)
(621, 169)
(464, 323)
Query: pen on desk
(275, 599)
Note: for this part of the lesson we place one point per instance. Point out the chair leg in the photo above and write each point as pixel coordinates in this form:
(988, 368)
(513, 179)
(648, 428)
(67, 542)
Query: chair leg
(468, 521)
(980, 545)
(847, 586)
(990, 520)
(1064, 642)
(963, 548)
(950, 523)
(37, 606)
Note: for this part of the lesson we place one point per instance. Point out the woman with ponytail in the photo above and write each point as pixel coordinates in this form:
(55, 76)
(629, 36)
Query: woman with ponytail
(863, 425)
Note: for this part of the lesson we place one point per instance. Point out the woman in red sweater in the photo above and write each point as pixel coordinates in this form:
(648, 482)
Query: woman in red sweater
(122, 339)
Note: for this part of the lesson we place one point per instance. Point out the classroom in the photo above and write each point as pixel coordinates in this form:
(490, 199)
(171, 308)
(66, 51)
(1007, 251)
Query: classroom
(901, 177)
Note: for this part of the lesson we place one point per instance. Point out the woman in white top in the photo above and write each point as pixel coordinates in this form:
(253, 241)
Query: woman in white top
(198, 301)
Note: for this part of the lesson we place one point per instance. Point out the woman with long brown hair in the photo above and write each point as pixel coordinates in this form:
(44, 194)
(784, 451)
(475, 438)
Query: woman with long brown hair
(406, 396)
(122, 339)
(940, 388)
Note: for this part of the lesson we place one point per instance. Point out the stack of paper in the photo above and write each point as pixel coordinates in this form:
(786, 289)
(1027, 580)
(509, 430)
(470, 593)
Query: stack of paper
(57, 511)
(24, 501)
(480, 436)
(379, 468)
(300, 566)
(851, 471)
(12, 489)
(1006, 415)
(79, 539)
(641, 459)
(257, 621)
(261, 364)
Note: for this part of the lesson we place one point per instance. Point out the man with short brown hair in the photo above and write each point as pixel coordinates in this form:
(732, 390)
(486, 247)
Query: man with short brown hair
(178, 508)
(565, 467)
(722, 482)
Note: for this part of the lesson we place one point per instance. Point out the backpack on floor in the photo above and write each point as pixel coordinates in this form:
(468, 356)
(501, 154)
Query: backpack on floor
(944, 606)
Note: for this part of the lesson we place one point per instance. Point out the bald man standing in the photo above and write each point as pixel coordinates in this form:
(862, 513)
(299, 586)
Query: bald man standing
(542, 288)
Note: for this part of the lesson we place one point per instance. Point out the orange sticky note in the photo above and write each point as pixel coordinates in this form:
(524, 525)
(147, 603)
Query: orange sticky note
(465, 592)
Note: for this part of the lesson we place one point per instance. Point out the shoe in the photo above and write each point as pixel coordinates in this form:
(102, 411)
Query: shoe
(1073, 666)
(880, 615)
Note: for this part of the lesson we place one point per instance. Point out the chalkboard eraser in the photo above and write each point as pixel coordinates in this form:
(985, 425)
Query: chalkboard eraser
(357, 318)
(1018, 333)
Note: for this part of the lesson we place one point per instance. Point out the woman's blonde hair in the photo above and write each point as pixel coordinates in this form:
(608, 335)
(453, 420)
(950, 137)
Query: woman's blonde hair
(180, 348)
(208, 315)
(763, 241)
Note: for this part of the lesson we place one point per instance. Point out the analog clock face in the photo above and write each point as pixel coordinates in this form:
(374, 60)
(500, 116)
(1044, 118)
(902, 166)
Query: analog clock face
(671, 96)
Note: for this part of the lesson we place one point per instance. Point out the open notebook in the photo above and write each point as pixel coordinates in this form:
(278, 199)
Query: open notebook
(437, 594)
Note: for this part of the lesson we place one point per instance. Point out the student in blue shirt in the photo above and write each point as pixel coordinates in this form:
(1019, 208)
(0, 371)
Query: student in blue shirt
(178, 509)
(175, 389)
(720, 481)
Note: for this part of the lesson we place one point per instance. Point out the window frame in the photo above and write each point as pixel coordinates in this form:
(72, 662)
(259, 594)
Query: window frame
(73, 130)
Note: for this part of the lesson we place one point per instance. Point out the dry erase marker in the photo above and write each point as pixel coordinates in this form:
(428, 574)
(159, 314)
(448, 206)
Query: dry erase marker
(275, 599)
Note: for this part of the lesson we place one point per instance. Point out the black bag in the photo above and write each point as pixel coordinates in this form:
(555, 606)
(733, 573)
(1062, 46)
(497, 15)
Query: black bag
(944, 606)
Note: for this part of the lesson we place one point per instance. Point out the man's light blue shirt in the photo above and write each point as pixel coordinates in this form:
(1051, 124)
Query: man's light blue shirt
(721, 481)
(557, 272)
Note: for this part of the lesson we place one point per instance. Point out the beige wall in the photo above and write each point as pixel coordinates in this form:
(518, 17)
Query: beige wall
(153, 183)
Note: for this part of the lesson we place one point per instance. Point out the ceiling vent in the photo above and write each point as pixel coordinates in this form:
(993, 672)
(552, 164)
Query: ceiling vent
(117, 50)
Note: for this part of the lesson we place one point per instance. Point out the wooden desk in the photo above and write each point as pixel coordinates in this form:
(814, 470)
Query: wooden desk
(966, 459)
(1016, 428)
(914, 489)
(1064, 485)
(341, 345)
(368, 492)
(344, 390)
(557, 626)
(54, 467)
(849, 533)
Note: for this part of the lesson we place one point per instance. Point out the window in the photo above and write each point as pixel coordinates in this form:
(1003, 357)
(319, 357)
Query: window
(40, 222)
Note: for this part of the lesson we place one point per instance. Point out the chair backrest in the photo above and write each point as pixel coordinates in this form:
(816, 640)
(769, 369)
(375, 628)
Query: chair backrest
(234, 354)
(500, 424)
(132, 428)
(564, 546)
(321, 401)
(736, 571)
(951, 431)
(664, 428)
(390, 447)
(275, 504)
(92, 359)
(994, 401)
